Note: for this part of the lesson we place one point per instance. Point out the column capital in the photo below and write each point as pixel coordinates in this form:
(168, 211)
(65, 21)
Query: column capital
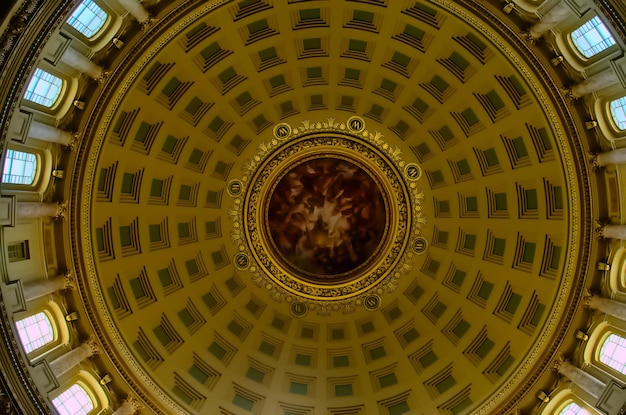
(145, 25)
(74, 137)
(133, 401)
(569, 94)
(93, 346)
(70, 279)
(558, 362)
(599, 229)
(61, 210)
(528, 36)
(104, 74)
(592, 158)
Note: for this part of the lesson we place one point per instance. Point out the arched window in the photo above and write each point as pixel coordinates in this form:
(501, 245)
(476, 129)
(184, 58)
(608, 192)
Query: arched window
(19, 167)
(592, 37)
(613, 352)
(618, 112)
(73, 401)
(44, 88)
(88, 18)
(574, 409)
(35, 331)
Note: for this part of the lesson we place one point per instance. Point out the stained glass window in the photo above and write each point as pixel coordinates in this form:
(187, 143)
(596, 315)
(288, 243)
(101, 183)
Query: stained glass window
(592, 37)
(44, 88)
(74, 401)
(88, 18)
(19, 167)
(613, 352)
(35, 331)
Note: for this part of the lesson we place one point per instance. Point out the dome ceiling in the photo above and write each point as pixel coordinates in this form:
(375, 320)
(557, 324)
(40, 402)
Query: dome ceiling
(172, 193)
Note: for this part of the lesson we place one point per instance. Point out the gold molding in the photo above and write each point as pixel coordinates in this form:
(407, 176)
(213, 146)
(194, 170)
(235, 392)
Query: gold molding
(352, 142)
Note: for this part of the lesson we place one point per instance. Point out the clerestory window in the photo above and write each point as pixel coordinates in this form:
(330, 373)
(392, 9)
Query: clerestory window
(574, 409)
(618, 112)
(44, 88)
(35, 331)
(19, 167)
(592, 37)
(73, 401)
(88, 18)
(613, 353)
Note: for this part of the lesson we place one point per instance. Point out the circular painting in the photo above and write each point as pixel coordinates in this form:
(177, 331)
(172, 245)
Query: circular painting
(326, 217)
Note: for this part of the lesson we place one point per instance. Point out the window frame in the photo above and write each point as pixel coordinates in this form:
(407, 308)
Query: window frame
(85, 389)
(562, 399)
(87, 380)
(101, 30)
(573, 402)
(578, 54)
(25, 247)
(606, 124)
(51, 324)
(609, 113)
(57, 103)
(56, 317)
(597, 336)
(605, 332)
(36, 174)
(103, 37)
(44, 168)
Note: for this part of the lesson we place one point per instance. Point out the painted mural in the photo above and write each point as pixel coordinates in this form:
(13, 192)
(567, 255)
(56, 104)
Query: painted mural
(326, 217)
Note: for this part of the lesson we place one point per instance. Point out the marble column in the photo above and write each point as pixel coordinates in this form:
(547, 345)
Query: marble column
(612, 231)
(39, 210)
(49, 133)
(39, 288)
(617, 156)
(63, 364)
(594, 83)
(582, 379)
(81, 63)
(606, 305)
(549, 20)
(136, 9)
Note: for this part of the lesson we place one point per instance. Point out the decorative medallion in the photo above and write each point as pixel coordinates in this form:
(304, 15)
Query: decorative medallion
(234, 188)
(419, 245)
(327, 216)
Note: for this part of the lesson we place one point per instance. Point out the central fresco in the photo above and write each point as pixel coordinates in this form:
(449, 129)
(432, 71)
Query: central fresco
(326, 217)
(327, 214)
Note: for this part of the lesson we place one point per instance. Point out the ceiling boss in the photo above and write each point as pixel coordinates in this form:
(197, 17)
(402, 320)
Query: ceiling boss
(327, 216)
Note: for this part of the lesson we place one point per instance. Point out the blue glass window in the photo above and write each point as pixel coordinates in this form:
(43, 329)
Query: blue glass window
(618, 112)
(88, 18)
(613, 353)
(73, 401)
(44, 88)
(592, 37)
(19, 167)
